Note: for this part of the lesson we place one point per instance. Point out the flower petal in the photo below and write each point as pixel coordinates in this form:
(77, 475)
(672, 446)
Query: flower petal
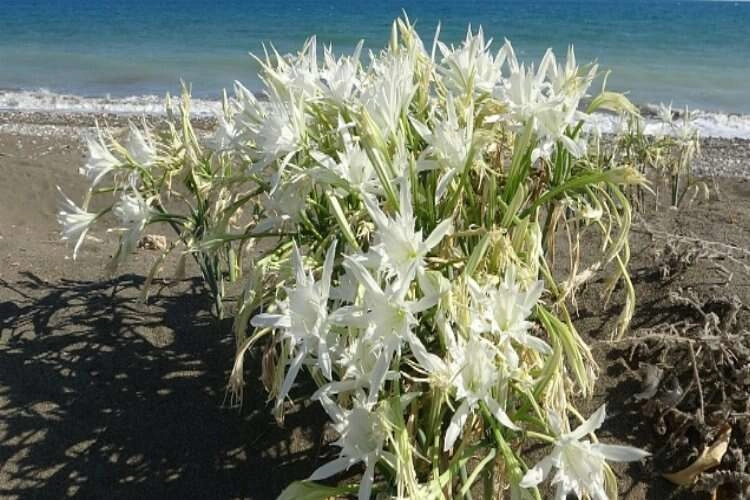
(533, 342)
(443, 184)
(328, 270)
(363, 276)
(589, 426)
(291, 375)
(536, 474)
(618, 453)
(375, 212)
(333, 467)
(365, 487)
(456, 425)
(299, 269)
(272, 320)
(377, 377)
(500, 414)
(437, 234)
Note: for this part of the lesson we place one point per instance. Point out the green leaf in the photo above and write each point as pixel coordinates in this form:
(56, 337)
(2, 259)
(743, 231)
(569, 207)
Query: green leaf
(477, 255)
(307, 490)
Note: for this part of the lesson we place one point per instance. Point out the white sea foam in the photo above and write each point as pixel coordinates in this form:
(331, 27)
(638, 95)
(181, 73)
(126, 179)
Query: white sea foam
(45, 101)
(709, 124)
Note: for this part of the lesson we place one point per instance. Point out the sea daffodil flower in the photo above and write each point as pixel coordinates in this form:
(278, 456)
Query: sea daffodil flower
(504, 310)
(579, 463)
(389, 315)
(74, 220)
(401, 245)
(133, 212)
(100, 162)
(141, 147)
(471, 374)
(304, 319)
(362, 438)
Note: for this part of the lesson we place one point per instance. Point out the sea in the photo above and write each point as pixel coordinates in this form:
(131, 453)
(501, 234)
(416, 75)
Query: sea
(125, 55)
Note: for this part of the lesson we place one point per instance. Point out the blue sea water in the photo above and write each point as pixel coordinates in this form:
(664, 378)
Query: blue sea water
(693, 53)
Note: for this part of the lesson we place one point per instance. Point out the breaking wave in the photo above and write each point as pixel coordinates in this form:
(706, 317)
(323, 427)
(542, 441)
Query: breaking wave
(710, 124)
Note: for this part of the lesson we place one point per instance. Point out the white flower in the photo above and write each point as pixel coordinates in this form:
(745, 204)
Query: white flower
(362, 437)
(74, 220)
(133, 212)
(141, 147)
(353, 166)
(452, 146)
(579, 463)
(389, 317)
(284, 205)
(549, 107)
(401, 246)
(503, 311)
(589, 213)
(470, 68)
(339, 79)
(566, 81)
(552, 124)
(357, 361)
(100, 162)
(524, 91)
(282, 129)
(387, 96)
(225, 136)
(471, 371)
(293, 73)
(304, 319)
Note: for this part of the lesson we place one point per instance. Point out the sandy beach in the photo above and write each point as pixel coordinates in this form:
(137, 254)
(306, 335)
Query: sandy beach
(103, 396)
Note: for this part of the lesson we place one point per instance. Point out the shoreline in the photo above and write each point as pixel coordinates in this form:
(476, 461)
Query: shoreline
(720, 156)
(49, 108)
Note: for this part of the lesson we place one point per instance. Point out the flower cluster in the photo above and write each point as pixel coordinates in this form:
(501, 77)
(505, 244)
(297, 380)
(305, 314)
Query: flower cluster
(408, 201)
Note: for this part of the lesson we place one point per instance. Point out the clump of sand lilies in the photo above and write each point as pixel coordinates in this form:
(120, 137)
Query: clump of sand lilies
(394, 218)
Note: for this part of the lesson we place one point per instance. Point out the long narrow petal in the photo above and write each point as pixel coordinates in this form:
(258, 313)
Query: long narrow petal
(79, 242)
(533, 294)
(328, 270)
(299, 269)
(456, 425)
(291, 375)
(423, 304)
(590, 425)
(443, 183)
(348, 316)
(333, 467)
(437, 235)
(500, 414)
(363, 276)
(272, 320)
(337, 387)
(377, 377)
(536, 474)
(365, 487)
(618, 453)
(405, 209)
(324, 356)
(534, 343)
(421, 129)
(375, 212)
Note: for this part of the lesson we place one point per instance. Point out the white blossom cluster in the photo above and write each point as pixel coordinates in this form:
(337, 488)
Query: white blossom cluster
(410, 281)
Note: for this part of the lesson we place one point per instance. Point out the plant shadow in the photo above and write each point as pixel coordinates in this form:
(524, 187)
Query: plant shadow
(101, 395)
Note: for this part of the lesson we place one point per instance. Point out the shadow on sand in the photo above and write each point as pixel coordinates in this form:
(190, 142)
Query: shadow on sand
(101, 396)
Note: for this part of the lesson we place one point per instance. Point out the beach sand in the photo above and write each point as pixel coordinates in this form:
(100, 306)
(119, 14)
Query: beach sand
(103, 396)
